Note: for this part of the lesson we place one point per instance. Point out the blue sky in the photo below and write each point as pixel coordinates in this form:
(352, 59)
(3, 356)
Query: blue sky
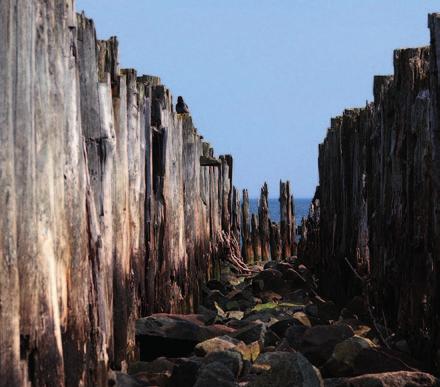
(262, 78)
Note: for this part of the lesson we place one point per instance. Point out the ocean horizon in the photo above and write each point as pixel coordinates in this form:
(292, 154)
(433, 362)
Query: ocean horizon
(301, 208)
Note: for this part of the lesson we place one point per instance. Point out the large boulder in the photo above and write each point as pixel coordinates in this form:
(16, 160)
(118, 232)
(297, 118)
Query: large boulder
(318, 342)
(157, 372)
(387, 379)
(375, 360)
(343, 358)
(185, 372)
(173, 335)
(159, 365)
(225, 343)
(119, 379)
(216, 344)
(230, 359)
(280, 327)
(215, 374)
(284, 369)
(358, 355)
(294, 335)
(253, 332)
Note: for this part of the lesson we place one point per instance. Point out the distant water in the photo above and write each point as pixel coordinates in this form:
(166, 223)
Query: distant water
(301, 208)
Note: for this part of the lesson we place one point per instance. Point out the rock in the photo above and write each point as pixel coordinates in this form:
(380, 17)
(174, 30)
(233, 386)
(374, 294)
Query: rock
(272, 279)
(270, 296)
(318, 342)
(241, 299)
(284, 369)
(157, 365)
(270, 265)
(230, 359)
(154, 379)
(232, 305)
(281, 326)
(251, 351)
(217, 344)
(312, 310)
(269, 316)
(232, 280)
(124, 380)
(210, 316)
(271, 338)
(215, 296)
(235, 314)
(387, 379)
(185, 372)
(253, 332)
(302, 319)
(375, 360)
(224, 343)
(298, 296)
(342, 360)
(284, 346)
(218, 285)
(238, 324)
(215, 374)
(173, 335)
(294, 335)
(219, 311)
(285, 308)
(358, 328)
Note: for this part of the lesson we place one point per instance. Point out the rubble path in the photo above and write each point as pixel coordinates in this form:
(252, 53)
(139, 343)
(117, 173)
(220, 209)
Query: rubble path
(270, 329)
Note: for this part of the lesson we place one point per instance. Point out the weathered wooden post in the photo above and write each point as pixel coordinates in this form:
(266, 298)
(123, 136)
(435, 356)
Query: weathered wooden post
(263, 217)
(246, 236)
(236, 215)
(275, 241)
(256, 241)
(287, 220)
(293, 244)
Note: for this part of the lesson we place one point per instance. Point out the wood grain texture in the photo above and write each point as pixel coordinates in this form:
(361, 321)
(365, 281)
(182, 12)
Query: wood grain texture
(108, 213)
(113, 205)
(377, 203)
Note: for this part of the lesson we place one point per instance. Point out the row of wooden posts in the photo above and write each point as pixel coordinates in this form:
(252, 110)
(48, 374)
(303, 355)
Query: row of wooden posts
(261, 238)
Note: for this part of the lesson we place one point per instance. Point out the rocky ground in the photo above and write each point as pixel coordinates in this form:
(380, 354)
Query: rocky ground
(270, 328)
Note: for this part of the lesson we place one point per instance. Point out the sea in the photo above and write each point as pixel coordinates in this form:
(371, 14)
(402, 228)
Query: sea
(301, 208)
